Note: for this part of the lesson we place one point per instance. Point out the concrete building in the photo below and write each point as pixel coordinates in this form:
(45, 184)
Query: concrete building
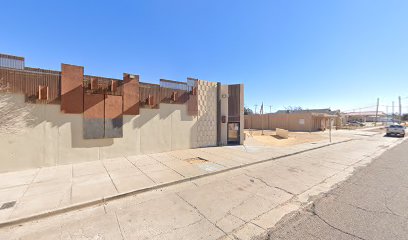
(302, 120)
(76, 117)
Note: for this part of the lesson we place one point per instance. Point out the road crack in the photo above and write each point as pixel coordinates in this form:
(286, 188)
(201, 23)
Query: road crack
(313, 211)
(262, 181)
(201, 214)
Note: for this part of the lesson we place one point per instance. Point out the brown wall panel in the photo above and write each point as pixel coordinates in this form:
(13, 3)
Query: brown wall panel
(173, 92)
(149, 95)
(192, 102)
(113, 116)
(94, 106)
(94, 116)
(42, 92)
(72, 78)
(130, 94)
(113, 106)
(234, 103)
(192, 105)
(27, 81)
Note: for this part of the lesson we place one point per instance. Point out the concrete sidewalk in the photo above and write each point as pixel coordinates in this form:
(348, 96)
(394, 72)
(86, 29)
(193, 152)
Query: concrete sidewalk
(236, 204)
(39, 192)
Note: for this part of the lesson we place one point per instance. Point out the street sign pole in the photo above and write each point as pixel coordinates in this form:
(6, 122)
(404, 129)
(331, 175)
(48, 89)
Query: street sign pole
(330, 130)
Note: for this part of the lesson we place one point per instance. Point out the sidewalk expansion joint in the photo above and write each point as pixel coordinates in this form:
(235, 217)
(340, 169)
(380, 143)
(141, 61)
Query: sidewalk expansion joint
(104, 200)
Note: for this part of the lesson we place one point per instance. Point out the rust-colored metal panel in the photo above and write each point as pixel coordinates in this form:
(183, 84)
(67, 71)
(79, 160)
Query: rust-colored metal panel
(113, 116)
(192, 105)
(72, 97)
(94, 116)
(130, 94)
(113, 106)
(27, 81)
(234, 102)
(114, 86)
(42, 92)
(109, 86)
(94, 106)
(173, 92)
(149, 95)
(192, 102)
(94, 83)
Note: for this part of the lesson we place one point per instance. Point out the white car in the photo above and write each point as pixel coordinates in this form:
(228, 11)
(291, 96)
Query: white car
(395, 130)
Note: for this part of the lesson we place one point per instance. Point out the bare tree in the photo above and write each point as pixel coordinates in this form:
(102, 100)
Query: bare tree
(248, 111)
(14, 117)
(294, 108)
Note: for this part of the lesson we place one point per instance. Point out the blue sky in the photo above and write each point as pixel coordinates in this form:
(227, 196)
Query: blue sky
(314, 54)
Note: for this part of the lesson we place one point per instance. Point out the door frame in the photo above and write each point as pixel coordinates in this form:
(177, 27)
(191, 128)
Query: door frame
(237, 142)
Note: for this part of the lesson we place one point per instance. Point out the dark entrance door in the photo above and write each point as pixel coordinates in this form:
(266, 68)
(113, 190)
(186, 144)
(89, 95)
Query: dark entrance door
(233, 133)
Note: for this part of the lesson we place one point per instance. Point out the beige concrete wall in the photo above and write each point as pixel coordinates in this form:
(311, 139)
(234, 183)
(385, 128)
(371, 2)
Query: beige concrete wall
(291, 122)
(242, 119)
(55, 138)
(224, 112)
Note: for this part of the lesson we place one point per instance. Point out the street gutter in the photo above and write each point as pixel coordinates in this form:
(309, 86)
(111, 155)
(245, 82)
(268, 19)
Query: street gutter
(104, 200)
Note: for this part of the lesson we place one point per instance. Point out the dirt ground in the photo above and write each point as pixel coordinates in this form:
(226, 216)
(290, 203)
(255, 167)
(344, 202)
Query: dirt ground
(255, 137)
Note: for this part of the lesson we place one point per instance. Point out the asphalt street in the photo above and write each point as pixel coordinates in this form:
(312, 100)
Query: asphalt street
(372, 204)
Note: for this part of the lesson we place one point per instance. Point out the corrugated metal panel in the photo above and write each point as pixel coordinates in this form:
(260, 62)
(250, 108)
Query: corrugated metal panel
(28, 82)
(173, 92)
(9, 61)
(149, 95)
(192, 102)
(104, 85)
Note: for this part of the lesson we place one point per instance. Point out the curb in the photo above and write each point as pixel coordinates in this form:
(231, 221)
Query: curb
(143, 190)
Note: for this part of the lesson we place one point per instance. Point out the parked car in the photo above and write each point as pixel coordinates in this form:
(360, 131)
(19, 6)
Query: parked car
(396, 130)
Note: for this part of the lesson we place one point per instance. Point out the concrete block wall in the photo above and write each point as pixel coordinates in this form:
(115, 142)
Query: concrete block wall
(207, 114)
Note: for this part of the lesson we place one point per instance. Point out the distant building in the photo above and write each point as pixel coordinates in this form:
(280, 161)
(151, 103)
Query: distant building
(295, 120)
(322, 110)
(365, 116)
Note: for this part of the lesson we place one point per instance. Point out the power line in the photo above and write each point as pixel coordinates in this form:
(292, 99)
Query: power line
(353, 109)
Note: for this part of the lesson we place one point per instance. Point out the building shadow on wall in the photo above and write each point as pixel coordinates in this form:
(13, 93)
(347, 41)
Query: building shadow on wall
(68, 125)
(173, 113)
(164, 111)
(73, 125)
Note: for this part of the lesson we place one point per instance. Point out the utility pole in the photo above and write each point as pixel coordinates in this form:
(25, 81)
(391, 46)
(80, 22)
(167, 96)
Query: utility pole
(400, 110)
(393, 112)
(330, 129)
(261, 111)
(376, 112)
(361, 116)
(256, 105)
(269, 117)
